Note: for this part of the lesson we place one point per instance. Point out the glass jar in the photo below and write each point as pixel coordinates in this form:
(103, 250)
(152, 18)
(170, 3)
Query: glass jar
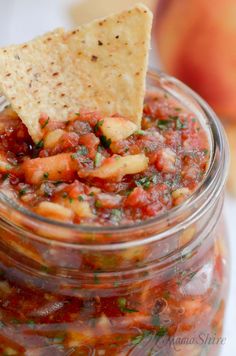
(154, 288)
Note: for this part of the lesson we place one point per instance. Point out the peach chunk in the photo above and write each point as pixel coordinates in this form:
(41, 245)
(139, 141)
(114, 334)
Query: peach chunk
(117, 128)
(117, 167)
(54, 168)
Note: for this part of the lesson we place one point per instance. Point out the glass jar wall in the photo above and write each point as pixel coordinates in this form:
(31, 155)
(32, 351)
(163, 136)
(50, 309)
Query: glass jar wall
(154, 288)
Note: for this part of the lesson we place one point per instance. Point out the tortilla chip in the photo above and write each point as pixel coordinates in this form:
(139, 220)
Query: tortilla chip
(100, 66)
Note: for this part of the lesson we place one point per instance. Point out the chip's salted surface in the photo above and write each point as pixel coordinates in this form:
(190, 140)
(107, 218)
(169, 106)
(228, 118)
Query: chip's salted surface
(99, 66)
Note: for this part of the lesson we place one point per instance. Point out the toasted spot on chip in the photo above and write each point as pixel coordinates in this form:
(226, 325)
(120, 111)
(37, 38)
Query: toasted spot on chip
(93, 75)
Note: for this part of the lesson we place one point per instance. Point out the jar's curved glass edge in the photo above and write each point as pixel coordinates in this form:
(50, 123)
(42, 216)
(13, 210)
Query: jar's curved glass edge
(222, 169)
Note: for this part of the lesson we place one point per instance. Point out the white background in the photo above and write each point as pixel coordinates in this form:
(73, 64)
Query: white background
(21, 20)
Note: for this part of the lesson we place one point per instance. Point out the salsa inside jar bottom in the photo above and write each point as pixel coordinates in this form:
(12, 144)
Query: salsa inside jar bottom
(146, 273)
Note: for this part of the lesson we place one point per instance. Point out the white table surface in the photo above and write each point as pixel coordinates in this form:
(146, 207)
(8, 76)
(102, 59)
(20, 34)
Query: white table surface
(21, 20)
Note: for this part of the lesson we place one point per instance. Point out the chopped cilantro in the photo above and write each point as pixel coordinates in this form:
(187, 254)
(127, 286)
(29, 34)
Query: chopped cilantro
(116, 284)
(98, 204)
(5, 176)
(77, 114)
(105, 142)
(31, 323)
(147, 333)
(8, 167)
(98, 124)
(140, 132)
(45, 124)
(155, 179)
(128, 192)
(71, 200)
(98, 159)
(143, 182)
(15, 321)
(44, 269)
(91, 194)
(205, 151)
(138, 339)
(58, 339)
(80, 198)
(83, 151)
(39, 145)
(122, 302)
(165, 124)
(22, 192)
(180, 125)
(57, 183)
(192, 274)
(116, 215)
(46, 175)
(96, 278)
(162, 331)
(64, 195)
(74, 156)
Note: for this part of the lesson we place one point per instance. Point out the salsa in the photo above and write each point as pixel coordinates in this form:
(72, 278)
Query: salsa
(93, 170)
(64, 300)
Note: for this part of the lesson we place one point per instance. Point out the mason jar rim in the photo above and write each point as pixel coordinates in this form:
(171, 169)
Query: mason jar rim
(211, 186)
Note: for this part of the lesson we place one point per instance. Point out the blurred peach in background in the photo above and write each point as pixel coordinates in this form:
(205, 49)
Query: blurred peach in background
(196, 42)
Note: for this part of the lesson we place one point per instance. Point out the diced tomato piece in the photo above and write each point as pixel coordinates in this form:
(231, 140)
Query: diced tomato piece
(138, 198)
(75, 189)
